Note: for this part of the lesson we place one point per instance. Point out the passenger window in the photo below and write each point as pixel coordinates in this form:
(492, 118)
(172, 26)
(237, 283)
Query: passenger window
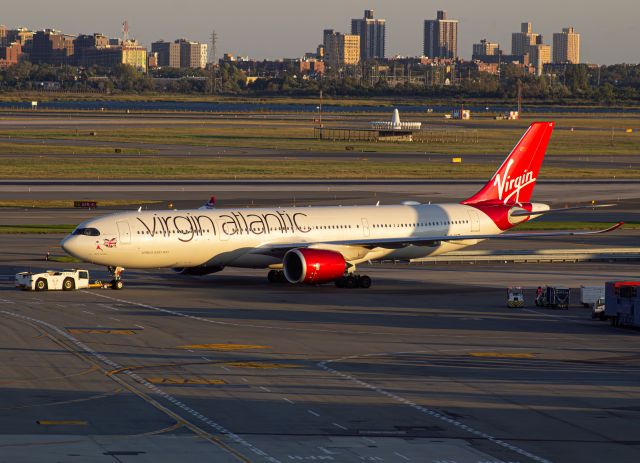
(83, 275)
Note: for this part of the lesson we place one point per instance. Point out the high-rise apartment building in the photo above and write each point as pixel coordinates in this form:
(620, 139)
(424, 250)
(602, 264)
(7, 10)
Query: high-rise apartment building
(52, 47)
(85, 44)
(192, 54)
(168, 53)
(127, 52)
(3, 36)
(485, 48)
(539, 55)
(10, 54)
(521, 41)
(566, 46)
(341, 49)
(372, 35)
(23, 36)
(441, 37)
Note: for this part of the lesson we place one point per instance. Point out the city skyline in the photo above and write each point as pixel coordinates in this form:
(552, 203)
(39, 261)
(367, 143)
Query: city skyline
(267, 31)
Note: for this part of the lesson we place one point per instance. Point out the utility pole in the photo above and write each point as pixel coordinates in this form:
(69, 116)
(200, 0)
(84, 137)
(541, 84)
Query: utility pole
(213, 67)
(519, 97)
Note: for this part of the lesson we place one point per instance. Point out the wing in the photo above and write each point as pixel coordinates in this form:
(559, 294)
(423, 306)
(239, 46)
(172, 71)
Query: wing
(395, 243)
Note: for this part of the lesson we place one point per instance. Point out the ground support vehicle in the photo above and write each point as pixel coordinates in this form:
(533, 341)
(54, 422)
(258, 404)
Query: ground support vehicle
(65, 280)
(515, 297)
(597, 309)
(590, 294)
(622, 303)
(557, 297)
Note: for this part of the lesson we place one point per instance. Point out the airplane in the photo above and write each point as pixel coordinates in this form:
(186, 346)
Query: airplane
(316, 245)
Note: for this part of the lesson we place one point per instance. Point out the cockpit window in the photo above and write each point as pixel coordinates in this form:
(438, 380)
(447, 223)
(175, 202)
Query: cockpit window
(86, 231)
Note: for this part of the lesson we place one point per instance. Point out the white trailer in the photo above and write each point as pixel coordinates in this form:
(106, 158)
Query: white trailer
(65, 280)
(589, 295)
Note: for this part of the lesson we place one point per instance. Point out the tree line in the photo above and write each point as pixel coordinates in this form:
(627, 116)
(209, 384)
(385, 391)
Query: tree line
(618, 83)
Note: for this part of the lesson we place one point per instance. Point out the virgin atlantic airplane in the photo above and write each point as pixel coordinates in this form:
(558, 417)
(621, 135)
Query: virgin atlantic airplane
(316, 245)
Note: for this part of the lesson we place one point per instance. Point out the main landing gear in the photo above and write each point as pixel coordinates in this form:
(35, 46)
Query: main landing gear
(276, 276)
(116, 281)
(354, 281)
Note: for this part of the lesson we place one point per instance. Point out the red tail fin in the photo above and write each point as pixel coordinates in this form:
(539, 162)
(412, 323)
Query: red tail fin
(514, 181)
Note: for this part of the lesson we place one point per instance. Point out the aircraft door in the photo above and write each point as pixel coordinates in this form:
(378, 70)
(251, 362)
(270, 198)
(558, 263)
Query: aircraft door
(475, 221)
(222, 232)
(365, 228)
(124, 231)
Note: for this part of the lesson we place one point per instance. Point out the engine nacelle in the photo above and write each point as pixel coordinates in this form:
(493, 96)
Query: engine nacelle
(313, 266)
(197, 271)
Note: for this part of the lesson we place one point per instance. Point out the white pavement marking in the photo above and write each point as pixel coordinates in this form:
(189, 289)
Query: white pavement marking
(339, 426)
(86, 311)
(225, 368)
(113, 318)
(420, 408)
(328, 452)
(139, 326)
(265, 389)
(107, 306)
(205, 359)
(288, 400)
(371, 441)
(313, 413)
(402, 456)
(140, 380)
(245, 380)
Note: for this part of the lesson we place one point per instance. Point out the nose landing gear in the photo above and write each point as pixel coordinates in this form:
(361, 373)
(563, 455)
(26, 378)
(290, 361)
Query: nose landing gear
(116, 281)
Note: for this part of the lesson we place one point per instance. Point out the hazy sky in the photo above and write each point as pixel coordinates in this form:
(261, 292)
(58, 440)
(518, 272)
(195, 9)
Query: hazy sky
(610, 30)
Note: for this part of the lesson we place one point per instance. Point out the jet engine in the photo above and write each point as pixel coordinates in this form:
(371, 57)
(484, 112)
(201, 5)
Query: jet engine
(198, 271)
(313, 266)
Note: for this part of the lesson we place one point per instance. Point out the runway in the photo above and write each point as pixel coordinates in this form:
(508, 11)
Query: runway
(427, 365)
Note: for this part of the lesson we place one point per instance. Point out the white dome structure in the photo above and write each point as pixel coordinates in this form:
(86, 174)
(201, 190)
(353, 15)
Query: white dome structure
(396, 123)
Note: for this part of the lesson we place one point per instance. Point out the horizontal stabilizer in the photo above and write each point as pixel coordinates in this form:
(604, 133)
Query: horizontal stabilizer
(562, 209)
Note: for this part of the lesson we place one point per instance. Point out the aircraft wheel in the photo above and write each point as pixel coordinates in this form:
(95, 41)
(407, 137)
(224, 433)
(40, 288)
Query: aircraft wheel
(340, 282)
(272, 276)
(350, 282)
(364, 281)
(41, 284)
(117, 284)
(68, 284)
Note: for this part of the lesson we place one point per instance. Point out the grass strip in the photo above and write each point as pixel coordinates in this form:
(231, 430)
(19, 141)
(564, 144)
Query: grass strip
(229, 168)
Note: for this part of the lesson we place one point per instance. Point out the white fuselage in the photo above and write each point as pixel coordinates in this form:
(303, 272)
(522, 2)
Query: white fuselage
(235, 237)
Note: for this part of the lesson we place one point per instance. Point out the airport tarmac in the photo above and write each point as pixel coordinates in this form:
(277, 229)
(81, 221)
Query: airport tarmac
(428, 365)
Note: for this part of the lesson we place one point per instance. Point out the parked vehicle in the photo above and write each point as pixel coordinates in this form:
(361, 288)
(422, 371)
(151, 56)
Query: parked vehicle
(597, 309)
(557, 297)
(622, 303)
(515, 297)
(590, 294)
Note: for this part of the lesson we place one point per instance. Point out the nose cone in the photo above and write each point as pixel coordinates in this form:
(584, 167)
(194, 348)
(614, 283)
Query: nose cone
(72, 246)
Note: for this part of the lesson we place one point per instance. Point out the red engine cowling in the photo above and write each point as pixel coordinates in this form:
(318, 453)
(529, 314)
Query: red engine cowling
(313, 266)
